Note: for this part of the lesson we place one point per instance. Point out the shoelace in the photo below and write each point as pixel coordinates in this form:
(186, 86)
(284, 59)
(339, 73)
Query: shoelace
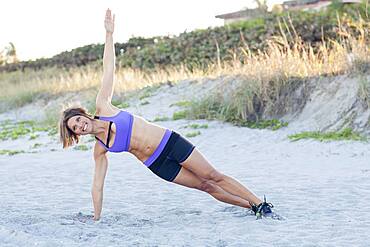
(258, 209)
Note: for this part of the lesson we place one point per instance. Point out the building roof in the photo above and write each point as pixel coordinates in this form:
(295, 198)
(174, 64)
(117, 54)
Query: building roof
(241, 13)
(351, 1)
(309, 2)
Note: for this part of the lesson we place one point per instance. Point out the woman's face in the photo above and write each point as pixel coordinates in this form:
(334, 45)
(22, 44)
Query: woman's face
(80, 125)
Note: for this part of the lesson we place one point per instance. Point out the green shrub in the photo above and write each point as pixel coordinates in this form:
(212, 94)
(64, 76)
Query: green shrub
(182, 104)
(10, 152)
(81, 147)
(193, 134)
(197, 126)
(345, 134)
(161, 119)
(179, 115)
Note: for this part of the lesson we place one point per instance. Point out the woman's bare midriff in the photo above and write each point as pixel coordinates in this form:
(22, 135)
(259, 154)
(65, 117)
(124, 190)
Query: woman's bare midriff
(145, 138)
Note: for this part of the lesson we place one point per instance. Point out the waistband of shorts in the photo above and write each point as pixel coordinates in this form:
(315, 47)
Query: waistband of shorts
(167, 149)
(159, 149)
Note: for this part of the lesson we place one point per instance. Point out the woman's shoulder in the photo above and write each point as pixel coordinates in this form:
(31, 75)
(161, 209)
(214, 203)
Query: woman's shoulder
(107, 111)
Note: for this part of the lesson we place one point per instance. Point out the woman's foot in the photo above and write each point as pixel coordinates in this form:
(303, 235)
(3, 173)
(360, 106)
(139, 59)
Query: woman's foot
(263, 209)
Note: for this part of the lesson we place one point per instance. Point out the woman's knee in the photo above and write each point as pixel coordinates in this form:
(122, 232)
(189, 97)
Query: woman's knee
(216, 176)
(207, 186)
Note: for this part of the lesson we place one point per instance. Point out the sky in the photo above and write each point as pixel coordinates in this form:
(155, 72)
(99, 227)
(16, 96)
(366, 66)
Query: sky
(43, 28)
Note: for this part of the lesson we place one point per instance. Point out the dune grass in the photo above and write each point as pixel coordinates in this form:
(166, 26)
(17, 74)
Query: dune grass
(10, 152)
(179, 115)
(265, 76)
(81, 147)
(193, 134)
(161, 119)
(184, 103)
(262, 77)
(197, 126)
(345, 134)
(14, 130)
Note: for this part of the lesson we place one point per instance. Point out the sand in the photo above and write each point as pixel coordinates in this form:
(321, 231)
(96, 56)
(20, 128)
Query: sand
(321, 189)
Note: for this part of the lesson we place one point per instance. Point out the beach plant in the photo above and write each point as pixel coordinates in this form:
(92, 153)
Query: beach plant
(36, 145)
(15, 130)
(33, 136)
(273, 124)
(81, 147)
(148, 91)
(10, 152)
(193, 134)
(271, 56)
(197, 126)
(345, 134)
(161, 119)
(179, 115)
(120, 104)
(184, 103)
(53, 130)
(202, 47)
(91, 138)
(145, 95)
(145, 102)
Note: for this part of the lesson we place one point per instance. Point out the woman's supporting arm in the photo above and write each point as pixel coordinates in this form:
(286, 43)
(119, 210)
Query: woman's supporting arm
(101, 165)
(106, 91)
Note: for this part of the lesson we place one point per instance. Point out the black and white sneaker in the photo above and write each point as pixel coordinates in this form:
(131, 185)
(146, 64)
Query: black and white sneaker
(264, 209)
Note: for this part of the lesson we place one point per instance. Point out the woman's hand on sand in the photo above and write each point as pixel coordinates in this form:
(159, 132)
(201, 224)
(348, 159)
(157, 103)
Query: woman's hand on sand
(109, 21)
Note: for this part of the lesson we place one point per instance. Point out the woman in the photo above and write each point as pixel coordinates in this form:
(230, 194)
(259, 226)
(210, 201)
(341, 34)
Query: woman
(164, 152)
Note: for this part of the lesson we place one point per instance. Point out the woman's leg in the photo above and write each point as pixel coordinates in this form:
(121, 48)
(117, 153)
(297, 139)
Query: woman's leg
(189, 179)
(198, 164)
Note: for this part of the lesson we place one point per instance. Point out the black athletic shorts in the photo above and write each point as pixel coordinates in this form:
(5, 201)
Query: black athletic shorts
(176, 151)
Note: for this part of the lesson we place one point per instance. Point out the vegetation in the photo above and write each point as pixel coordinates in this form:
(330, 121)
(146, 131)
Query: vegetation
(8, 54)
(179, 115)
(184, 103)
(197, 126)
(161, 119)
(145, 102)
(193, 134)
(345, 134)
(204, 47)
(260, 60)
(263, 80)
(272, 124)
(120, 104)
(10, 152)
(81, 147)
(36, 145)
(10, 130)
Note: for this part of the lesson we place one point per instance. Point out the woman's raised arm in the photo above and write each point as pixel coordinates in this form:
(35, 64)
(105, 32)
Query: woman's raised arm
(104, 96)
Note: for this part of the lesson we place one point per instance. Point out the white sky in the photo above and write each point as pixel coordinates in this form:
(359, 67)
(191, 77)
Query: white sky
(43, 28)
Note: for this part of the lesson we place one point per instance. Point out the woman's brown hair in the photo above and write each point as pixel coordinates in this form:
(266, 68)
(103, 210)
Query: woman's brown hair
(67, 136)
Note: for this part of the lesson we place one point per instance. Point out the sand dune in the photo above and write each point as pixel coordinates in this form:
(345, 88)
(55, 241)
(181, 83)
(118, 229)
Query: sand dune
(322, 190)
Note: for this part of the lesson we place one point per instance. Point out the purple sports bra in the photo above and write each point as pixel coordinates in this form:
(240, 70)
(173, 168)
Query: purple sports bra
(123, 121)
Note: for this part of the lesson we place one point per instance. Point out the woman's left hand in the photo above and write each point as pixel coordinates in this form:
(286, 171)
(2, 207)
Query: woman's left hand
(109, 21)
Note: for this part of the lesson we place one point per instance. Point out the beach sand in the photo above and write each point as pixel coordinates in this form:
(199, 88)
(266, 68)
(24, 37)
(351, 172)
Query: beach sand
(321, 189)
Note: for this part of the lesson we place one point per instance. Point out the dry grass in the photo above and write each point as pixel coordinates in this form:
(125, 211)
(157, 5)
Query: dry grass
(266, 71)
(267, 74)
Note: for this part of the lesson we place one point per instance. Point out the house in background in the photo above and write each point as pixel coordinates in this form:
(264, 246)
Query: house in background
(241, 15)
(304, 5)
(307, 5)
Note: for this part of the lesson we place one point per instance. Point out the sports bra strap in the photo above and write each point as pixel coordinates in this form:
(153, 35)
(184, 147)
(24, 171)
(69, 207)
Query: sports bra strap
(108, 137)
